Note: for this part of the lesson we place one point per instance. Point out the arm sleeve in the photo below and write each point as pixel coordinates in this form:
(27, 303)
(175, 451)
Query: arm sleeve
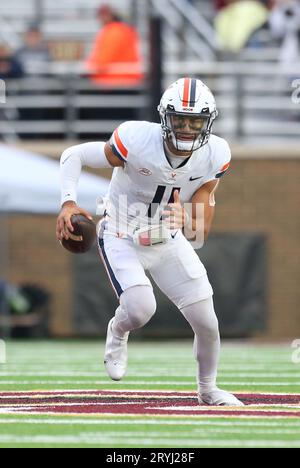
(71, 163)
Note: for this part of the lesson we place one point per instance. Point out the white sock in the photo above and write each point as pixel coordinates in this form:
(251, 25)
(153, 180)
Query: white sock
(202, 318)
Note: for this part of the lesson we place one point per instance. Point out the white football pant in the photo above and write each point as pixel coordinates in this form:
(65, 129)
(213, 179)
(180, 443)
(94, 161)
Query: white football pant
(179, 273)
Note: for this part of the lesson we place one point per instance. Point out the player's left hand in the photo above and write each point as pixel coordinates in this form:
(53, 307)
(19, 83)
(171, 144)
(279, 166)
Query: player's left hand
(175, 214)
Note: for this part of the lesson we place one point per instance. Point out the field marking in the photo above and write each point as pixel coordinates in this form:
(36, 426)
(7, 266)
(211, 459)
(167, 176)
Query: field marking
(291, 375)
(249, 408)
(241, 363)
(138, 393)
(158, 365)
(98, 368)
(177, 411)
(186, 434)
(146, 384)
(67, 405)
(197, 417)
(253, 407)
(228, 361)
(142, 403)
(97, 439)
(158, 421)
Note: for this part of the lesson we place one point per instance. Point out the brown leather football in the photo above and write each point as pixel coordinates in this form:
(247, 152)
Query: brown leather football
(83, 237)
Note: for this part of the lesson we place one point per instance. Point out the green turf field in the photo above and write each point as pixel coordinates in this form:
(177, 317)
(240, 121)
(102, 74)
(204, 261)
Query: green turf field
(77, 366)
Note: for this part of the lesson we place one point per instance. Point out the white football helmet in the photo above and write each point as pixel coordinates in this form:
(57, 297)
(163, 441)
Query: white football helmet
(187, 110)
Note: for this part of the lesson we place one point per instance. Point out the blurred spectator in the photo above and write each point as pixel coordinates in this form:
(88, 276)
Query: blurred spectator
(27, 307)
(284, 23)
(237, 22)
(15, 300)
(10, 67)
(116, 49)
(34, 55)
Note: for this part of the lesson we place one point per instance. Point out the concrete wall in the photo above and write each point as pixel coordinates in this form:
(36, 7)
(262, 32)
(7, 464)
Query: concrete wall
(264, 196)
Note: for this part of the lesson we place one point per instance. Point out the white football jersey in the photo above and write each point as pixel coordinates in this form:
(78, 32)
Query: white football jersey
(146, 185)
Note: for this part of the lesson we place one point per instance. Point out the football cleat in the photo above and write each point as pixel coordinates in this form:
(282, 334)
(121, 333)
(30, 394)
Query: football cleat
(219, 397)
(115, 358)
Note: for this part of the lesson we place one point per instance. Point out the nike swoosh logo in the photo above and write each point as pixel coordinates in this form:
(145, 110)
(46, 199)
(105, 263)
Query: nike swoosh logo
(174, 235)
(195, 178)
(65, 160)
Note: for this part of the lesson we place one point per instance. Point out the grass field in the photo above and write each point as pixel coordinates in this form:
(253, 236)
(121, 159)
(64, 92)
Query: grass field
(56, 394)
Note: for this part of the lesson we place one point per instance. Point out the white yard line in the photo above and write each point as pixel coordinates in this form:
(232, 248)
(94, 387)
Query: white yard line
(198, 417)
(110, 391)
(70, 420)
(49, 405)
(147, 383)
(223, 375)
(96, 364)
(100, 439)
(249, 411)
(196, 431)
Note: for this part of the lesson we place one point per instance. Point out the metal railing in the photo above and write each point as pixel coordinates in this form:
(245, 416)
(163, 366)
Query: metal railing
(260, 102)
(186, 32)
(255, 102)
(54, 106)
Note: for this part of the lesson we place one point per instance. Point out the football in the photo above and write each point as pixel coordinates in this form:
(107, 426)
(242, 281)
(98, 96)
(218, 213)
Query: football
(83, 237)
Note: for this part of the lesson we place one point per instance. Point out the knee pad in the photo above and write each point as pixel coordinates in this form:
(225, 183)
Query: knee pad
(139, 304)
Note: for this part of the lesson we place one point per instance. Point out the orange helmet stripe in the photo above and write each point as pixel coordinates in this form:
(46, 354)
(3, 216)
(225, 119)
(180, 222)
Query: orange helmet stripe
(186, 91)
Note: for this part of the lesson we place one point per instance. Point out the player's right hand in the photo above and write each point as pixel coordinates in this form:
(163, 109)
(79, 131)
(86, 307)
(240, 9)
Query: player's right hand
(64, 224)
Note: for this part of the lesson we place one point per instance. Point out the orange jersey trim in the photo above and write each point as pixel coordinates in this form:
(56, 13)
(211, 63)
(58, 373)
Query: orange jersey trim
(121, 148)
(224, 168)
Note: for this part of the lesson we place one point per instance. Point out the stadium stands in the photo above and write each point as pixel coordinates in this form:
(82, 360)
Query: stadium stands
(61, 103)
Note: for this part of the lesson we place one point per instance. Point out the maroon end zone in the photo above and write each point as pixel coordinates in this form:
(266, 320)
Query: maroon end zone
(143, 403)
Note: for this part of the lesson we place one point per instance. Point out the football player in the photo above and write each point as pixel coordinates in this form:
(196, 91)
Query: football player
(158, 169)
